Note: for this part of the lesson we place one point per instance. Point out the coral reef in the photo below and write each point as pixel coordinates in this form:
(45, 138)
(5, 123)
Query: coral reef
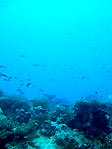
(92, 118)
(34, 124)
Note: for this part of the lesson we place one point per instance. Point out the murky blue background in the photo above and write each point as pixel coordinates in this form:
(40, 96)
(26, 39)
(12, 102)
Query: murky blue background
(62, 47)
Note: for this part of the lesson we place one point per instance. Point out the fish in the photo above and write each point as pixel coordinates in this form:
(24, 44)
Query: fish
(10, 77)
(22, 84)
(28, 84)
(34, 85)
(96, 92)
(36, 65)
(21, 80)
(22, 55)
(3, 75)
(20, 91)
(82, 77)
(28, 79)
(2, 66)
(5, 79)
(41, 89)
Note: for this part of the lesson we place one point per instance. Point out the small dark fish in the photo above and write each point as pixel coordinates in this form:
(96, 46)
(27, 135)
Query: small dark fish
(20, 91)
(21, 84)
(9, 78)
(21, 80)
(2, 66)
(34, 85)
(5, 79)
(36, 65)
(41, 89)
(29, 79)
(96, 92)
(3, 75)
(22, 55)
(28, 84)
(108, 71)
(82, 77)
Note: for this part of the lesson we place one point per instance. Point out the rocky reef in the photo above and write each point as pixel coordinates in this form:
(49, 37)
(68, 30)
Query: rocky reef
(41, 124)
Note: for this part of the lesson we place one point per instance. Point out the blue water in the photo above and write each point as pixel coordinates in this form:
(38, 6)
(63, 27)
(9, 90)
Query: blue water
(60, 47)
